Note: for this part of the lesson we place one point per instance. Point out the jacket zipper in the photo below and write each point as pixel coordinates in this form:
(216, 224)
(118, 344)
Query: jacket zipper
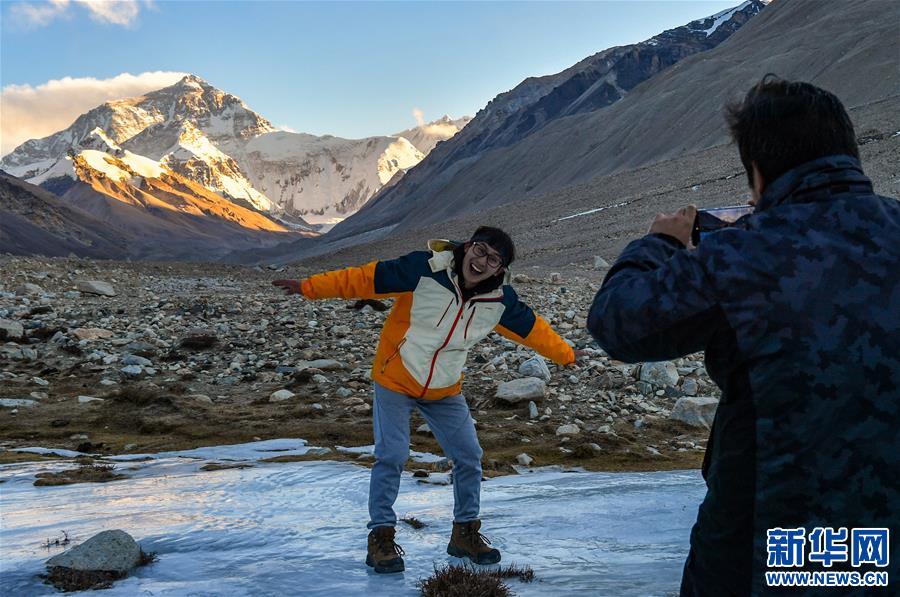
(393, 355)
(446, 341)
(434, 357)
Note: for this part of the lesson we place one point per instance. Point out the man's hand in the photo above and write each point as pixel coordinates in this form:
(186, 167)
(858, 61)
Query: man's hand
(677, 225)
(289, 286)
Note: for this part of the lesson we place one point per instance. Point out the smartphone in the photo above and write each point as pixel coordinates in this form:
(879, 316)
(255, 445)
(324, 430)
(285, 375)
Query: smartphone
(716, 218)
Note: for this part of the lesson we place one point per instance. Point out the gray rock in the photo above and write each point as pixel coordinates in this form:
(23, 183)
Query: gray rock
(344, 392)
(695, 411)
(91, 333)
(17, 402)
(600, 263)
(690, 387)
(201, 398)
(423, 428)
(86, 399)
(321, 364)
(662, 373)
(95, 287)
(281, 395)
(524, 459)
(109, 551)
(132, 370)
(644, 387)
(340, 330)
(519, 390)
(532, 410)
(318, 451)
(29, 289)
(131, 359)
(569, 429)
(535, 367)
(11, 330)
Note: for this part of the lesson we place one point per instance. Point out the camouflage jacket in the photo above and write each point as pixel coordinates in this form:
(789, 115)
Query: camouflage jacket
(798, 312)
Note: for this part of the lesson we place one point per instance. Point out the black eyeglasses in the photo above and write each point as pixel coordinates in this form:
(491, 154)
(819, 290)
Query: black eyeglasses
(480, 250)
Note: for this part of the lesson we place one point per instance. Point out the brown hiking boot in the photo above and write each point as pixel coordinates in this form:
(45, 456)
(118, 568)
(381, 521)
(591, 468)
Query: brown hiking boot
(467, 542)
(384, 554)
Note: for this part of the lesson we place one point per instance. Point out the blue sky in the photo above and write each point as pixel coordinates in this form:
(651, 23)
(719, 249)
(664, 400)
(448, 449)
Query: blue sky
(344, 68)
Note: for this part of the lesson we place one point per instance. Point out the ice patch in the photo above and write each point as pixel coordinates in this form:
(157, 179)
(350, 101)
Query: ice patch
(423, 457)
(233, 452)
(299, 528)
(50, 452)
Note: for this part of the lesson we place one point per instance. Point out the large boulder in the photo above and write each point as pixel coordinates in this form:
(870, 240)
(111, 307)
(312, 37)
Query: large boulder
(695, 411)
(662, 374)
(105, 557)
(29, 289)
(521, 390)
(95, 287)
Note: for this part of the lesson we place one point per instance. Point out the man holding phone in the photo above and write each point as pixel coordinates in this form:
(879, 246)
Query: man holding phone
(798, 312)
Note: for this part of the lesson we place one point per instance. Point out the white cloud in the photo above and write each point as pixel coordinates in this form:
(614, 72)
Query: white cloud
(440, 130)
(38, 14)
(114, 12)
(419, 116)
(285, 128)
(28, 112)
(110, 12)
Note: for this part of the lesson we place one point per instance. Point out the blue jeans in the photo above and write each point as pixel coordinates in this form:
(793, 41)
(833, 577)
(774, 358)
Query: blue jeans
(454, 429)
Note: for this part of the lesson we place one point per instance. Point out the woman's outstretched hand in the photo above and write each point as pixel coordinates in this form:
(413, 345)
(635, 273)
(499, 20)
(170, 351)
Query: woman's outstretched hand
(289, 286)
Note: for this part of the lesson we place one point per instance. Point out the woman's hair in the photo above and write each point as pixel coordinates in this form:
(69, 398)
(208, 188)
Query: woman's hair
(498, 240)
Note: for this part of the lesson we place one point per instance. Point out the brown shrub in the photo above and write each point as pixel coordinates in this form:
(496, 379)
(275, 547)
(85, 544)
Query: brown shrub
(463, 581)
(87, 473)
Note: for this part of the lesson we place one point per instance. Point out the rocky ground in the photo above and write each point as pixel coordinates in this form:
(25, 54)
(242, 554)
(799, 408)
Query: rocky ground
(185, 355)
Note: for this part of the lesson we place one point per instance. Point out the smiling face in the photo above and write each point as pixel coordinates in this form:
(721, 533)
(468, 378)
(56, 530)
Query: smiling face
(480, 262)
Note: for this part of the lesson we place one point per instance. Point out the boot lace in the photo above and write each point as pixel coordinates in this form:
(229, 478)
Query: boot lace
(477, 538)
(385, 543)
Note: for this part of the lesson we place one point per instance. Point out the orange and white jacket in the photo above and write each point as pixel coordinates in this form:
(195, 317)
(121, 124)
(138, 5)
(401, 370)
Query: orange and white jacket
(429, 331)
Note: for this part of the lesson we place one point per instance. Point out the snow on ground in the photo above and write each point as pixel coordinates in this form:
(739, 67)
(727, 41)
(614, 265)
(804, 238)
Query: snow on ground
(299, 528)
(592, 211)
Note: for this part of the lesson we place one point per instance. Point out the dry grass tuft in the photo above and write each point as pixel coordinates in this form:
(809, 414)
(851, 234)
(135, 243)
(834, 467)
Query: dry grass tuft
(221, 466)
(413, 522)
(463, 581)
(88, 473)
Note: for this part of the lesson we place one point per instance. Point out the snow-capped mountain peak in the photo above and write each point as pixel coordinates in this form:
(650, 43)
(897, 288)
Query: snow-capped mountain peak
(213, 138)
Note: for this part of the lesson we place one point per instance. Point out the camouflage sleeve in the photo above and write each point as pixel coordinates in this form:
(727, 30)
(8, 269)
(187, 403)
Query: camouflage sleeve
(655, 304)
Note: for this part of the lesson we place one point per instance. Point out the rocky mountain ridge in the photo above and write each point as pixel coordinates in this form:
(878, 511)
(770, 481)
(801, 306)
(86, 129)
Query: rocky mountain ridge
(592, 84)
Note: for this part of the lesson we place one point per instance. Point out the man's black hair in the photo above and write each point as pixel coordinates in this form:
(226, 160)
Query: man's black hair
(783, 124)
(498, 240)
